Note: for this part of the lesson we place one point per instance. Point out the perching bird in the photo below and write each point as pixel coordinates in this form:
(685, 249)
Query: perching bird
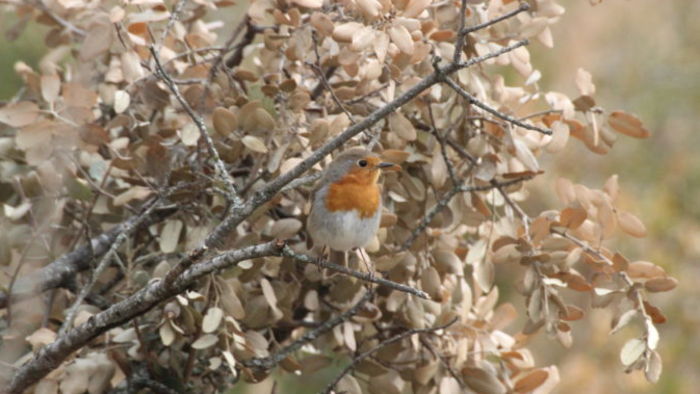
(347, 204)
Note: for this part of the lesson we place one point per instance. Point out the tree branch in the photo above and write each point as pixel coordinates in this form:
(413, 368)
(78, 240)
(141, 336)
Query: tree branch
(523, 7)
(442, 203)
(52, 355)
(231, 192)
(271, 361)
(104, 263)
(287, 251)
(61, 271)
(473, 100)
(379, 346)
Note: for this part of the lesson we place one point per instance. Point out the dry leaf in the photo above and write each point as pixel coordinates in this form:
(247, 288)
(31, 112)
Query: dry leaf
(632, 351)
(254, 143)
(572, 218)
(631, 225)
(401, 38)
(19, 114)
(530, 381)
(656, 285)
(50, 87)
(627, 124)
(205, 341)
(225, 121)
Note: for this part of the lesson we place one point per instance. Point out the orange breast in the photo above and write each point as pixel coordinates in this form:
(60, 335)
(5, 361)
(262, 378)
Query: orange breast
(355, 191)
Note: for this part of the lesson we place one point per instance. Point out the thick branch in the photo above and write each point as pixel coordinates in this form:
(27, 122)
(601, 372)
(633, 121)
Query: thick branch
(63, 270)
(51, 356)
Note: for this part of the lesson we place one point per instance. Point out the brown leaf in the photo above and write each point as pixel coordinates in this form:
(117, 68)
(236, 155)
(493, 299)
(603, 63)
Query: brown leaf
(531, 381)
(645, 270)
(657, 285)
(631, 225)
(402, 126)
(224, 121)
(285, 228)
(572, 218)
(370, 8)
(308, 3)
(430, 283)
(480, 205)
(395, 156)
(50, 87)
(97, 41)
(627, 124)
(401, 38)
(657, 317)
(572, 313)
(322, 23)
(345, 32)
(19, 114)
(415, 8)
(482, 381)
(620, 262)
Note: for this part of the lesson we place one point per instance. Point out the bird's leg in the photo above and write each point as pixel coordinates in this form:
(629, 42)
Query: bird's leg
(370, 271)
(322, 255)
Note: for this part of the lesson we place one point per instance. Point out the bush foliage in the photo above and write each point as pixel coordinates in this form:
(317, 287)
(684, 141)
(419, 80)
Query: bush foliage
(156, 169)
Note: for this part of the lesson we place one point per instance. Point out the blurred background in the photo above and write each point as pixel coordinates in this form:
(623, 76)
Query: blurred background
(645, 59)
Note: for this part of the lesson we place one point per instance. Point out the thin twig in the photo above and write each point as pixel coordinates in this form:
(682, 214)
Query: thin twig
(59, 20)
(523, 7)
(305, 180)
(248, 37)
(367, 277)
(174, 16)
(317, 69)
(444, 362)
(442, 203)
(474, 101)
(104, 263)
(232, 193)
(443, 151)
(379, 346)
(272, 360)
(459, 43)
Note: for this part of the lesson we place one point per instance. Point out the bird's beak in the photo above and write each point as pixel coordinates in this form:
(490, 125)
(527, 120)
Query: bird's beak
(389, 166)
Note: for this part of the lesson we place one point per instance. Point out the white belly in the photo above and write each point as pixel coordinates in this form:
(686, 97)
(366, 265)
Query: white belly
(344, 230)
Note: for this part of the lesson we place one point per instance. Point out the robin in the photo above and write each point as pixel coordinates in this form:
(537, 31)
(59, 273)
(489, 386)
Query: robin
(346, 206)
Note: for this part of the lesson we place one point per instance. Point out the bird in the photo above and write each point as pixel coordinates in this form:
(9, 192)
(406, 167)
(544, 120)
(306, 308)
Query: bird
(346, 205)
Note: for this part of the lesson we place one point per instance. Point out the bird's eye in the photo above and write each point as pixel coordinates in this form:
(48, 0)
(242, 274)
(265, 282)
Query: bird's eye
(362, 163)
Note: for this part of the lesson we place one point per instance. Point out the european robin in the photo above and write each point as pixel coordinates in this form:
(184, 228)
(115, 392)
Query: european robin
(347, 204)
